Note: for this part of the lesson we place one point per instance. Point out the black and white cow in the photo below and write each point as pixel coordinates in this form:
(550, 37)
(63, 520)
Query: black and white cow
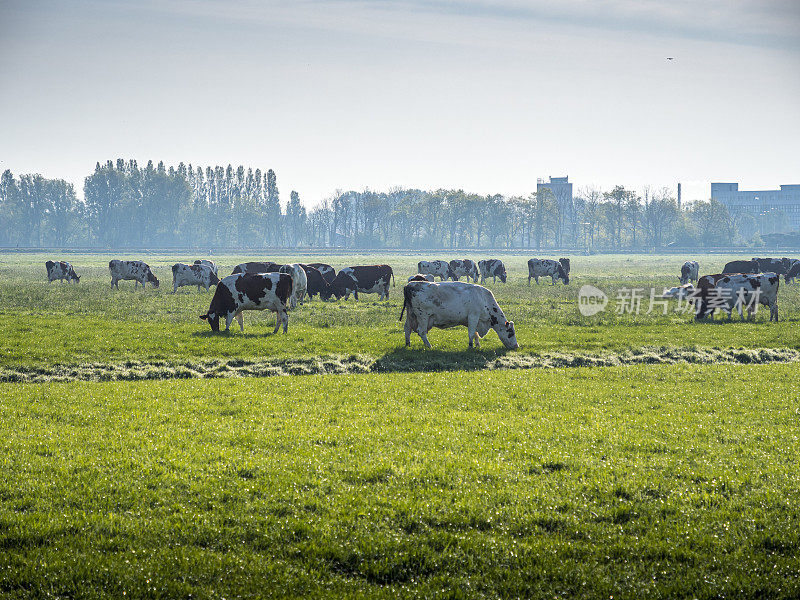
(464, 268)
(367, 279)
(316, 283)
(250, 291)
(136, 270)
(453, 303)
(327, 271)
(492, 267)
(209, 263)
(793, 272)
(256, 267)
(729, 291)
(299, 282)
(202, 276)
(781, 266)
(741, 266)
(61, 270)
(565, 263)
(546, 267)
(690, 272)
(437, 268)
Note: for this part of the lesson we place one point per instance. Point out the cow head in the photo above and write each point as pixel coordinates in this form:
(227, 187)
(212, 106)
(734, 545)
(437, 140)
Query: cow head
(213, 279)
(152, 279)
(451, 274)
(213, 320)
(502, 275)
(562, 273)
(505, 331)
(681, 293)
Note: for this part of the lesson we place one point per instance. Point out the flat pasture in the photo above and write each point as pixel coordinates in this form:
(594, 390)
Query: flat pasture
(143, 456)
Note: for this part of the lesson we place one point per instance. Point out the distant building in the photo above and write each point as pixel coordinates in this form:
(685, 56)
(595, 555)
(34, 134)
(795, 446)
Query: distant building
(562, 193)
(774, 210)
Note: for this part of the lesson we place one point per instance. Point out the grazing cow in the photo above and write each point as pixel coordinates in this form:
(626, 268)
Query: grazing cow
(690, 272)
(250, 291)
(492, 267)
(256, 267)
(793, 272)
(316, 282)
(421, 277)
(729, 291)
(464, 268)
(437, 268)
(209, 263)
(780, 266)
(742, 266)
(202, 276)
(546, 267)
(453, 303)
(565, 263)
(370, 279)
(328, 272)
(299, 282)
(131, 269)
(61, 270)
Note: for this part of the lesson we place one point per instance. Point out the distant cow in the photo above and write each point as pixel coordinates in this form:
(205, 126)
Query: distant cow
(316, 283)
(742, 266)
(256, 267)
(437, 268)
(209, 263)
(131, 269)
(682, 292)
(546, 267)
(250, 291)
(793, 272)
(421, 277)
(492, 267)
(61, 270)
(200, 275)
(453, 303)
(780, 266)
(368, 279)
(328, 272)
(299, 282)
(464, 268)
(690, 272)
(737, 291)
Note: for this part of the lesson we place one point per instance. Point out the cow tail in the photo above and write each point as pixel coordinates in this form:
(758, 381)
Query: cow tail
(406, 300)
(393, 283)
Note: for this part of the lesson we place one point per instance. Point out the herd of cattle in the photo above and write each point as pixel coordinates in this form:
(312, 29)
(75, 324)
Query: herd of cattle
(281, 287)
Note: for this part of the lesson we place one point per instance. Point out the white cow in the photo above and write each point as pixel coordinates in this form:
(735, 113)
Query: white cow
(250, 291)
(437, 268)
(690, 272)
(299, 282)
(200, 275)
(208, 263)
(681, 293)
(453, 303)
(136, 270)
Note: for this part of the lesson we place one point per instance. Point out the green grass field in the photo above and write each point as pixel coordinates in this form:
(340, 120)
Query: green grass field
(447, 473)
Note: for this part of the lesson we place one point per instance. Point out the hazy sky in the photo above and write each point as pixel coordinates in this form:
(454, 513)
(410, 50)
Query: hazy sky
(484, 95)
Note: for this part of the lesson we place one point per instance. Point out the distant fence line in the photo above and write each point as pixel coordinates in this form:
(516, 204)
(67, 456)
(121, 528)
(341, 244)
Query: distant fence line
(283, 250)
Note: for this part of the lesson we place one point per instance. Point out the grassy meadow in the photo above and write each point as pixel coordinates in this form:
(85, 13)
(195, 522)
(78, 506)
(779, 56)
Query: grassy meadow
(412, 473)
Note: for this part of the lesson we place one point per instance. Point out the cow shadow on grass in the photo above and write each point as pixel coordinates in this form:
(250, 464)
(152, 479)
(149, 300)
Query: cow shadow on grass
(207, 333)
(409, 360)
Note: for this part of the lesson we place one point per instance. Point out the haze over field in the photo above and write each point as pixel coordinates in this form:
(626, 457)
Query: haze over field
(480, 95)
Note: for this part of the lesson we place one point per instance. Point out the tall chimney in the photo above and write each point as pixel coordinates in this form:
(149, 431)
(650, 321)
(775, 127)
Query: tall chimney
(679, 196)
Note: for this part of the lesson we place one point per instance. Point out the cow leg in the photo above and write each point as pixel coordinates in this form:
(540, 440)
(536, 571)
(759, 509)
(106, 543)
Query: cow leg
(424, 335)
(285, 322)
(241, 320)
(355, 294)
(278, 321)
(472, 329)
(407, 329)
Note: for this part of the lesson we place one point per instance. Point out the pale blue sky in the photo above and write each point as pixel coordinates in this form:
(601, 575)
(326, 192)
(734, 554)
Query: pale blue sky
(484, 95)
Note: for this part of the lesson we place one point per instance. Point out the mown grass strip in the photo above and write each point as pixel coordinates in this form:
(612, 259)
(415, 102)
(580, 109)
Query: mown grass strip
(404, 361)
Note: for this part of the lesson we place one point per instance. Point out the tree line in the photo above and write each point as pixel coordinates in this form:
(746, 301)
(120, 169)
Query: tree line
(125, 205)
